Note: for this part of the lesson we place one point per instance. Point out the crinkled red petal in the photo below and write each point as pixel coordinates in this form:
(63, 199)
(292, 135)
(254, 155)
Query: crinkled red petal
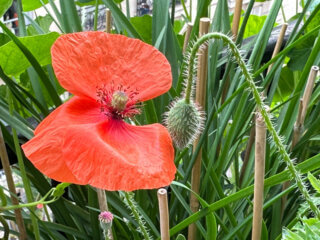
(117, 156)
(46, 154)
(45, 149)
(78, 144)
(86, 60)
(77, 110)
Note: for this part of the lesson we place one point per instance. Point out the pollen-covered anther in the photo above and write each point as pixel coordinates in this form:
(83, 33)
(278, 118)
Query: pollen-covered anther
(119, 100)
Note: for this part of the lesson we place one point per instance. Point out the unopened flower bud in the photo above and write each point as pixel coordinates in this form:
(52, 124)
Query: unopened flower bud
(184, 122)
(105, 219)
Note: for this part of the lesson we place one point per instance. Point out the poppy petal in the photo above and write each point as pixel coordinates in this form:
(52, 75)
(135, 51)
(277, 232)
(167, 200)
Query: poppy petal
(114, 155)
(45, 149)
(75, 111)
(86, 61)
(46, 154)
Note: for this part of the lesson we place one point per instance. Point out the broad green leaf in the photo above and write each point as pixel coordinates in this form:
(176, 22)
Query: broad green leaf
(285, 85)
(314, 182)
(143, 25)
(4, 38)
(13, 61)
(300, 54)
(314, 22)
(44, 23)
(180, 237)
(4, 6)
(254, 25)
(29, 5)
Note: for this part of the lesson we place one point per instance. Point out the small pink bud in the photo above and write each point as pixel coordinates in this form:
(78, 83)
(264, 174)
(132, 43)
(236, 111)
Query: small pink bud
(39, 206)
(105, 217)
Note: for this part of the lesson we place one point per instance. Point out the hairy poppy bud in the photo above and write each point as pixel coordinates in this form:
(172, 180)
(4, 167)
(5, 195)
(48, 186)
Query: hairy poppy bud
(184, 122)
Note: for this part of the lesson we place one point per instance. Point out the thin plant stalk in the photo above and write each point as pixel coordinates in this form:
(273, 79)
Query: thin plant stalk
(22, 24)
(13, 194)
(23, 174)
(298, 126)
(236, 19)
(96, 11)
(278, 45)
(200, 99)
(259, 169)
(103, 205)
(108, 20)
(187, 37)
(276, 50)
(102, 198)
(164, 213)
(173, 10)
(262, 108)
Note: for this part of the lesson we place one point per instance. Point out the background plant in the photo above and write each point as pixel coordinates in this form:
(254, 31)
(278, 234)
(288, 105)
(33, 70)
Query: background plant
(226, 186)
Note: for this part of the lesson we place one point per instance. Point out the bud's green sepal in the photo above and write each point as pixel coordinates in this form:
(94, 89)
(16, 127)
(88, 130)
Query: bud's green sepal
(184, 122)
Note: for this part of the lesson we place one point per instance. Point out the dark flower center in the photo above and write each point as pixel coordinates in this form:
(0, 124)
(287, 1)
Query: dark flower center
(118, 103)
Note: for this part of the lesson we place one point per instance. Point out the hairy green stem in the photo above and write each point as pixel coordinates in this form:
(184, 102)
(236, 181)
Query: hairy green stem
(259, 102)
(132, 206)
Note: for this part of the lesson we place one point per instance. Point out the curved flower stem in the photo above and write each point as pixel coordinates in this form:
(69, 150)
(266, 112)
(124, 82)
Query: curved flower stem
(31, 204)
(133, 208)
(259, 102)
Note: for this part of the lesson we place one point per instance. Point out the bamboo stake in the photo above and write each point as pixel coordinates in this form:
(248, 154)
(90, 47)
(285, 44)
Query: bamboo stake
(279, 43)
(298, 126)
(103, 205)
(234, 31)
(108, 20)
(187, 37)
(276, 50)
(259, 168)
(7, 170)
(164, 214)
(200, 99)
(236, 19)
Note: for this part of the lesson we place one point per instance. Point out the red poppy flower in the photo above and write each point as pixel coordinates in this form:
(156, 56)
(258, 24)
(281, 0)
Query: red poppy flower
(86, 140)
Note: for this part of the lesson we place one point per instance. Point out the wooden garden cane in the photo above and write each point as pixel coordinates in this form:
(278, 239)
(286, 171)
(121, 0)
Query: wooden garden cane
(108, 20)
(7, 170)
(298, 126)
(200, 99)
(187, 37)
(236, 19)
(259, 169)
(164, 214)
